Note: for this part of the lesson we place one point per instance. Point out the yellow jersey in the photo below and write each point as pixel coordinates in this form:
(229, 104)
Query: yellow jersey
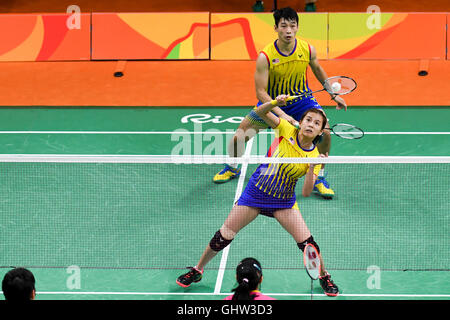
(279, 180)
(287, 73)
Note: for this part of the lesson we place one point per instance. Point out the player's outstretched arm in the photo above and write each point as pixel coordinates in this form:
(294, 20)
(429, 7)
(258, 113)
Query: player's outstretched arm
(321, 75)
(264, 111)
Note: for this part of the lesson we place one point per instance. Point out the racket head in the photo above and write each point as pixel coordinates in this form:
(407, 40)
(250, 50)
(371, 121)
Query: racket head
(347, 131)
(311, 261)
(346, 85)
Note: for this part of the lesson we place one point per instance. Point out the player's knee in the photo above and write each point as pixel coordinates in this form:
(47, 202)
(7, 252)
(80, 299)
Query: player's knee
(227, 233)
(244, 134)
(219, 242)
(236, 146)
(310, 240)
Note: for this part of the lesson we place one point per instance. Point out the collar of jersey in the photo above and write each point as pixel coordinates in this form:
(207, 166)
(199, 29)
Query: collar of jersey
(307, 150)
(284, 55)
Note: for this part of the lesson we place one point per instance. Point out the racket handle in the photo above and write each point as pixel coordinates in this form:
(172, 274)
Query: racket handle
(274, 102)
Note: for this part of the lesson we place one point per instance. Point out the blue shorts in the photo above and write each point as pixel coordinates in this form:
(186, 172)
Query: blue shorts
(256, 198)
(295, 109)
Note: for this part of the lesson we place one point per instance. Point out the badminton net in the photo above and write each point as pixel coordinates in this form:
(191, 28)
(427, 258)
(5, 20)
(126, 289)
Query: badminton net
(161, 212)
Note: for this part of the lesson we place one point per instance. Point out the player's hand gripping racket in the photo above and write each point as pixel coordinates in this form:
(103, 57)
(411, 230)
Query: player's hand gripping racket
(312, 263)
(338, 86)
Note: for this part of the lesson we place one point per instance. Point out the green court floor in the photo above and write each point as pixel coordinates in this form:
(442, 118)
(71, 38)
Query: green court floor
(126, 231)
(157, 130)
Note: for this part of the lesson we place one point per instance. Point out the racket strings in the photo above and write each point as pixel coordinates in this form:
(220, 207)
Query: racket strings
(346, 85)
(347, 131)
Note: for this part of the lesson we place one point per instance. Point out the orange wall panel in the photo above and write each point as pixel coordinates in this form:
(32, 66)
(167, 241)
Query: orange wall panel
(218, 36)
(241, 36)
(150, 35)
(397, 36)
(44, 37)
(448, 37)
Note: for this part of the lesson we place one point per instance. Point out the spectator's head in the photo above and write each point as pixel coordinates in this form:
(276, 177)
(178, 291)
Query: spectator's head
(18, 285)
(249, 277)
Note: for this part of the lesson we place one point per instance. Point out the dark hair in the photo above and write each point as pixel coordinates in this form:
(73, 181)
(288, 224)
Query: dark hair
(248, 274)
(286, 13)
(318, 111)
(18, 285)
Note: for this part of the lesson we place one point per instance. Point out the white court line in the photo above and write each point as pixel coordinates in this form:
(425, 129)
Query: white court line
(210, 131)
(240, 186)
(362, 295)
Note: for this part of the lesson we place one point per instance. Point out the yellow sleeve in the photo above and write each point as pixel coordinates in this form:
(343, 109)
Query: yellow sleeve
(284, 129)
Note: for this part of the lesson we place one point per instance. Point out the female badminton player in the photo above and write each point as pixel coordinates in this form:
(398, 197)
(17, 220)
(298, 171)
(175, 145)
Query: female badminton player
(271, 189)
(281, 68)
(249, 277)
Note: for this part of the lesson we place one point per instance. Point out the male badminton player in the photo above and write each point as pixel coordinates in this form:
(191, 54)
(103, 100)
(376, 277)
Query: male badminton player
(271, 189)
(281, 69)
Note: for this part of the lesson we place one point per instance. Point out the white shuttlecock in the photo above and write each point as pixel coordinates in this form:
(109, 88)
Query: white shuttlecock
(336, 87)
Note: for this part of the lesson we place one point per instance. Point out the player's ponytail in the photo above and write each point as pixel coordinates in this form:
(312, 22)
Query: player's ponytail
(248, 276)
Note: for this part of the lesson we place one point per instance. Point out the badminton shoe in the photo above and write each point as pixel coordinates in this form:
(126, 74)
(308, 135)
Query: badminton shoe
(226, 174)
(328, 286)
(322, 188)
(186, 279)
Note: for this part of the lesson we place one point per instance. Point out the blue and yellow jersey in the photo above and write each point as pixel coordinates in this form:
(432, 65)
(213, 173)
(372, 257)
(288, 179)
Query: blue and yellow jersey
(287, 73)
(279, 180)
